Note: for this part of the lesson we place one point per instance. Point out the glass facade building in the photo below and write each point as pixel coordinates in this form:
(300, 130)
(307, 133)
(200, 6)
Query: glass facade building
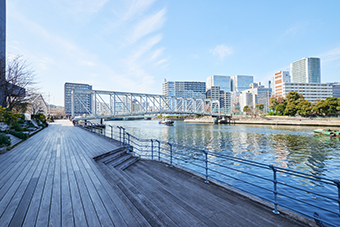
(81, 105)
(187, 89)
(306, 70)
(222, 81)
(241, 82)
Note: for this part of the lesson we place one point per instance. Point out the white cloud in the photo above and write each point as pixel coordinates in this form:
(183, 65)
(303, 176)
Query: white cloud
(137, 8)
(150, 24)
(331, 55)
(221, 51)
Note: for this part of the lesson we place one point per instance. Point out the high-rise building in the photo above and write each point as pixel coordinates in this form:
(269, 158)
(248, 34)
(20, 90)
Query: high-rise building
(280, 78)
(241, 82)
(187, 89)
(306, 70)
(82, 103)
(217, 80)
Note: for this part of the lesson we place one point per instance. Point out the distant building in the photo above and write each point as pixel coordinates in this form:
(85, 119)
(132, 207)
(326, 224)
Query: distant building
(280, 78)
(256, 94)
(223, 82)
(335, 89)
(313, 92)
(81, 105)
(306, 70)
(36, 104)
(187, 89)
(241, 82)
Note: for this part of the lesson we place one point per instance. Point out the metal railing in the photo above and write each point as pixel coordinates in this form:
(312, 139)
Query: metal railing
(296, 191)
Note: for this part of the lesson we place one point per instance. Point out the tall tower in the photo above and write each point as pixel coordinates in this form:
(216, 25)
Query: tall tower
(306, 70)
(280, 78)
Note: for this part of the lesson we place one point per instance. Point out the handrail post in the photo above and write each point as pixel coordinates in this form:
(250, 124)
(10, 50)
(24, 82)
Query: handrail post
(104, 130)
(159, 150)
(275, 211)
(120, 134)
(206, 167)
(337, 182)
(170, 153)
(128, 142)
(123, 135)
(111, 131)
(151, 149)
(92, 127)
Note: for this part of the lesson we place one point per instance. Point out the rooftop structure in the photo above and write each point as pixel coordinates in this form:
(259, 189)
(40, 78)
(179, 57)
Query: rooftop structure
(306, 70)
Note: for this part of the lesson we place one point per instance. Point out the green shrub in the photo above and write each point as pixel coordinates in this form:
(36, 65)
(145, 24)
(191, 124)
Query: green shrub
(16, 127)
(4, 140)
(20, 135)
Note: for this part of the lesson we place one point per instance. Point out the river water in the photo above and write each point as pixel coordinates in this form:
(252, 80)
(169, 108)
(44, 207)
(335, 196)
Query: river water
(292, 147)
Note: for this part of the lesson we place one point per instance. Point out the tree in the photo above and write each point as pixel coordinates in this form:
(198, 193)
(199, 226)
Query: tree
(304, 108)
(18, 79)
(259, 106)
(280, 108)
(246, 109)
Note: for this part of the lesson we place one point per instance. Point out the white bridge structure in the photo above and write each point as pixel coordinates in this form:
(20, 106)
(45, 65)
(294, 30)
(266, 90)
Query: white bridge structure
(109, 104)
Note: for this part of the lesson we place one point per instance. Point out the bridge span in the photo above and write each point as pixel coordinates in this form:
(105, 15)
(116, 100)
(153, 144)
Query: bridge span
(107, 104)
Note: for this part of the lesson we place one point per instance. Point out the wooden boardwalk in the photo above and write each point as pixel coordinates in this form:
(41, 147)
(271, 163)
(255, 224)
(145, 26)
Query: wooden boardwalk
(52, 180)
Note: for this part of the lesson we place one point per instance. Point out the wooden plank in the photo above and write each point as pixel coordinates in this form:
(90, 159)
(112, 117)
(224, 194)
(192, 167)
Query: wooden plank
(55, 214)
(45, 204)
(32, 213)
(77, 206)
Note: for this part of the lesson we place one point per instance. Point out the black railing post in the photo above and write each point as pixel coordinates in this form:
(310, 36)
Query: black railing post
(151, 149)
(123, 135)
(111, 131)
(104, 130)
(120, 134)
(128, 142)
(159, 150)
(275, 211)
(206, 167)
(170, 153)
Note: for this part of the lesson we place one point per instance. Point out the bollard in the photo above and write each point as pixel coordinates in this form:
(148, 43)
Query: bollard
(275, 211)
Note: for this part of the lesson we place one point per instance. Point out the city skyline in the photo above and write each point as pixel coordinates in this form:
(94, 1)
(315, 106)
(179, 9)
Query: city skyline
(134, 45)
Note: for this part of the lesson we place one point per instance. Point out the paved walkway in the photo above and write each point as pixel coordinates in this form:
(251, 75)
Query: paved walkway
(52, 180)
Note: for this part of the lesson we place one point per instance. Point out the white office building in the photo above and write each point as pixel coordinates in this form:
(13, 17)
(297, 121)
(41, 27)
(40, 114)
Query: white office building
(306, 70)
(256, 94)
(313, 92)
(187, 89)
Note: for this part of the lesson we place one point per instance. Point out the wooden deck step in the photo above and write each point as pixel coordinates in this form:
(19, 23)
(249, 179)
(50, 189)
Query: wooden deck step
(132, 160)
(99, 157)
(113, 157)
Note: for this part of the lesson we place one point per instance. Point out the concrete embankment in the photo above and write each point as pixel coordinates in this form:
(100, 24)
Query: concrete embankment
(288, 121)
(205, 120)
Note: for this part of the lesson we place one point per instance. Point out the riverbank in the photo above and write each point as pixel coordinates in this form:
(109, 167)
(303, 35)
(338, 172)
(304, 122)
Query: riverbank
(273, 120)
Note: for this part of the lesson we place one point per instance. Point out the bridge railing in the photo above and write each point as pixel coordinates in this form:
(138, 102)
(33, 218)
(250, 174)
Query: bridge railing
(296, 191)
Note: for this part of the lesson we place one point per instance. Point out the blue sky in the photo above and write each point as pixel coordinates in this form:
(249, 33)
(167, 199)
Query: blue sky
(132, 45)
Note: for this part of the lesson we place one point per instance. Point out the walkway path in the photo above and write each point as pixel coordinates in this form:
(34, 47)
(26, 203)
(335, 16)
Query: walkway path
(52, 180)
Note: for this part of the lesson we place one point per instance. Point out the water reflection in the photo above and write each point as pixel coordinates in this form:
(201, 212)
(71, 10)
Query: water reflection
(285, 146)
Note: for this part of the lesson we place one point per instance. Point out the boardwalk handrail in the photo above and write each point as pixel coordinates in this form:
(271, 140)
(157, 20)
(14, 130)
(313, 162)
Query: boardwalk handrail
(214, 166)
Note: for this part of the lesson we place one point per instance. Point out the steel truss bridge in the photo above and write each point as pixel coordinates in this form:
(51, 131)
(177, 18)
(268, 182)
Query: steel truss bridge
(108, 104)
